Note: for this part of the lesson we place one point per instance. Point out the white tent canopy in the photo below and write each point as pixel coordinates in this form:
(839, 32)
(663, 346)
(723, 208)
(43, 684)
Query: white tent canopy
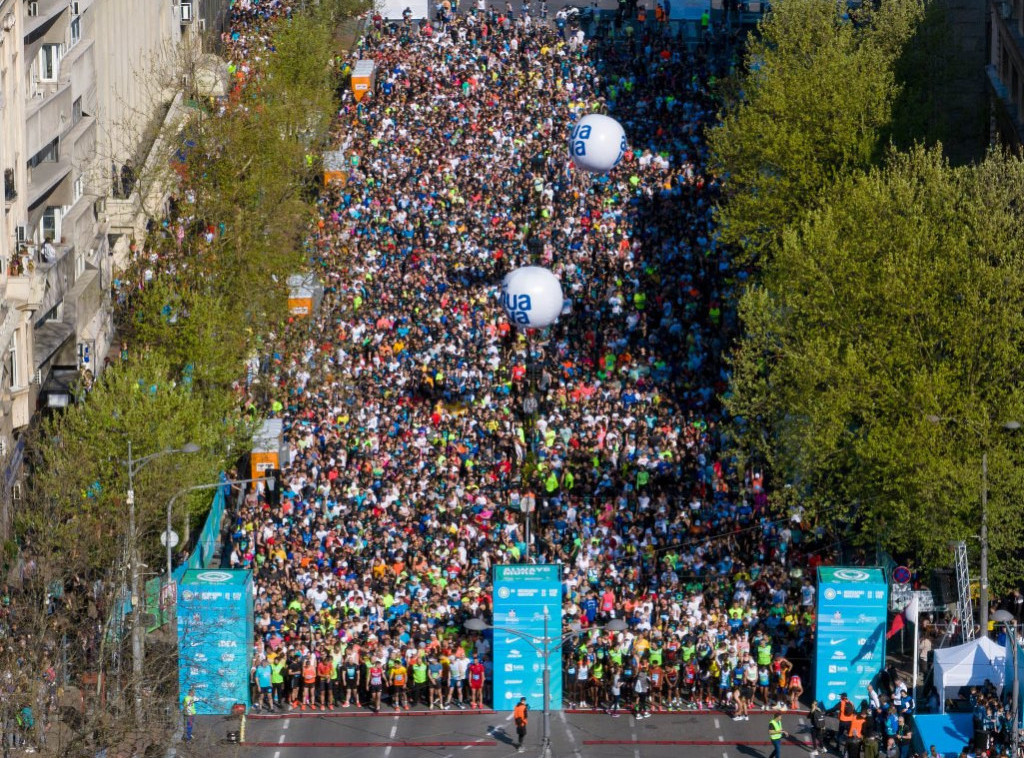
(969, 664)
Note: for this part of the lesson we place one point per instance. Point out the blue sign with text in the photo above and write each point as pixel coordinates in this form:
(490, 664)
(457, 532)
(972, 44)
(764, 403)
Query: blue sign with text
(524, 596)
(215, 633)
(851, 616)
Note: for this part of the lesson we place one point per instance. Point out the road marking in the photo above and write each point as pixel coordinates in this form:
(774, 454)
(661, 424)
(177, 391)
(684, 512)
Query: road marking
(394, 731)
(280, 739)
(287, 722)
(721, 738)
(277, 754)
(568, 730)
(725, 755)
(717, 724)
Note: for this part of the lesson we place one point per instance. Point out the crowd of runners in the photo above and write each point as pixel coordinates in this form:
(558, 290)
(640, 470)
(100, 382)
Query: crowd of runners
(402, 397)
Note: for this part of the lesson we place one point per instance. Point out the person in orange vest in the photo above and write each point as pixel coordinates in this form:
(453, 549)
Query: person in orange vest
(846, 714)
(520, 715)
(856, 734)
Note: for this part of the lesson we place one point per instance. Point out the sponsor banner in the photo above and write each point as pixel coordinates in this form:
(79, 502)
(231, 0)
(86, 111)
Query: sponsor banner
(215, 633)
(850, 637)
(523, 595)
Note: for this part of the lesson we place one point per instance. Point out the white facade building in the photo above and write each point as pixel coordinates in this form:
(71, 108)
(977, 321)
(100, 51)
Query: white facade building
(83, 85)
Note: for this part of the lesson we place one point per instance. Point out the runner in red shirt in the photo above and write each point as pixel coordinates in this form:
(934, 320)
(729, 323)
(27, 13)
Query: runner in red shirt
(476, 683)
(377, 681)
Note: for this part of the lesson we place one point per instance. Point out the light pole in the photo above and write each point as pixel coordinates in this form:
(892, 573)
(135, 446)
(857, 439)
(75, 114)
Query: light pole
(1010, 426)
(1008, 619)
(544, 646)
(134, 465)
(194, 488)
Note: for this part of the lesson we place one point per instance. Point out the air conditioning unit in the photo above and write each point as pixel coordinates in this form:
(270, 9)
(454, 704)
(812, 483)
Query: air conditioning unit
(185, 12)
(33, 8)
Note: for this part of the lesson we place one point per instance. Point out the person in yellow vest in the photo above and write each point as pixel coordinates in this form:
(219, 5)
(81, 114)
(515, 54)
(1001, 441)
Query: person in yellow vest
(775, 734)
(188, 707)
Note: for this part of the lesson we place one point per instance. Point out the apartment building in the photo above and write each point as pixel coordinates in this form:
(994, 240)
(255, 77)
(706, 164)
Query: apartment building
(1006, 71)
(84, 84)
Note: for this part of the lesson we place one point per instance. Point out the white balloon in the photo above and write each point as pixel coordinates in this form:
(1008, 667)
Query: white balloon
(597, 143)
(532, 297)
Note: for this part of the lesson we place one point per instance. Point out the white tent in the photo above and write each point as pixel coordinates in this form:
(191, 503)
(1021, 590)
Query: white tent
(969, 664)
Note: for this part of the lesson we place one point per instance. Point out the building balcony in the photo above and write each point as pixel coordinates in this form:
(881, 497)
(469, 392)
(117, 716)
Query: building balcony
(47, 115)
(44, 178)
(32, 284)
(43, 15)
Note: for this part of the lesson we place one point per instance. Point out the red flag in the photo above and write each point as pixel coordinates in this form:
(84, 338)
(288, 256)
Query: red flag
(898, 623)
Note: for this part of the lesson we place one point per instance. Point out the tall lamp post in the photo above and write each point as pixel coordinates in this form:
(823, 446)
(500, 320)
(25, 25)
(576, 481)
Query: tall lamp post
(545, 646)
(170, 509)
(134, 466)
(1010, 426)
(1010, 622)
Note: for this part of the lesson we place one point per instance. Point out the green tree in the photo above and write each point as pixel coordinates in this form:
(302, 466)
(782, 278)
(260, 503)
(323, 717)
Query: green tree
(816, 98)
(883, 349)
(80, 479)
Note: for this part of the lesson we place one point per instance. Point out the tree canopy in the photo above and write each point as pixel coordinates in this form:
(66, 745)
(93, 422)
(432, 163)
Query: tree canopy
(883, 353)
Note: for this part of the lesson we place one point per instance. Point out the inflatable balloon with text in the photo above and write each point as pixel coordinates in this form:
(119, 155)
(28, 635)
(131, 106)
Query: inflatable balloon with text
(597, 143)
(532, 297)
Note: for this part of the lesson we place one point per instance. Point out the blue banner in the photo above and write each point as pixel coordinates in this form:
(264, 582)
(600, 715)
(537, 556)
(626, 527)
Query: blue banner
(524, 596)
(215, 633)
(850, 648)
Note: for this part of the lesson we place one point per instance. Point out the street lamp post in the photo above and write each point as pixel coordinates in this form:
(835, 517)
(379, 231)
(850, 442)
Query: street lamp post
(194, 488)
(134, 465)
(544, 646)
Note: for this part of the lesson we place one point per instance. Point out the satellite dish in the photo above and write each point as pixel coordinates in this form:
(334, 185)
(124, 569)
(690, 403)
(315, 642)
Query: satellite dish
(169, 538)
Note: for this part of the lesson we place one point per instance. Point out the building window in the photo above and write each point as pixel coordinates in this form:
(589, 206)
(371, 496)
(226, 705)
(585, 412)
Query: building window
(78, 190)
(49, 154)
(49, 62)
(76, 111)
(11, 364)
(49, 224)
(76, 30)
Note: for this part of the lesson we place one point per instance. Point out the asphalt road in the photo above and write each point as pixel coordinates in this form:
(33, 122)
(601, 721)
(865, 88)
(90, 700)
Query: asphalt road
(473, 734)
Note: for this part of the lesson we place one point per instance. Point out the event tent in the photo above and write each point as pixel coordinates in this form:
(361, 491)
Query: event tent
(969, 664)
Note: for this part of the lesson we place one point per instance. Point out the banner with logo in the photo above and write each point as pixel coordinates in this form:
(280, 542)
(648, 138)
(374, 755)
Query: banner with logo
(523, 594)
(215, 633)
(850, 649)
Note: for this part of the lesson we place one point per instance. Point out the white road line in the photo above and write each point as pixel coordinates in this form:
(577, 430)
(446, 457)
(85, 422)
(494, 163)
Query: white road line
(280, 739)
(568, 730)
(394, 731)
(802, 721)
(725, 755)
(717, 724)
(277, 754)
(287, 723)
(721, 738)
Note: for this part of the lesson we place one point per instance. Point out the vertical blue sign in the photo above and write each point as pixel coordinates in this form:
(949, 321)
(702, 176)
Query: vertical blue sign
(215, 633)
(850, 648)
(522, 596)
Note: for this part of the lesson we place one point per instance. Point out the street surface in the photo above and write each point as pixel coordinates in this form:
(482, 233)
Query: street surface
(469, 734)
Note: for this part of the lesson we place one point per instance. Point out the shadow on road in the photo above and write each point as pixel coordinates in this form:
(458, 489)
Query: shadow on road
(499, 733)
(747, 750)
